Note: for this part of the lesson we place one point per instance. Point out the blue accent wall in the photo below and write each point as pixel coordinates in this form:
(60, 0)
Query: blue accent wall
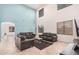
(22, 16)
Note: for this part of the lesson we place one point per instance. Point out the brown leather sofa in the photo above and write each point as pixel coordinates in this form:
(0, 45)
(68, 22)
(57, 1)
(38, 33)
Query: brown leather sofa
(51, 37)
(27, 40)
(46, 40)
(24, 40)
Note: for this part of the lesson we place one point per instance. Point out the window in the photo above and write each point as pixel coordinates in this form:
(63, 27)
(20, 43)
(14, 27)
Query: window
(41, 12)
(68, 27)
(61, 6)
(60, 26)
(41, 29)
(65, 27)
(11, 29)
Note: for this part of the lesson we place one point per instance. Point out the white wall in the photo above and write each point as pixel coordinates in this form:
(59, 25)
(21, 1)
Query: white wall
(68, 13)
(52, 16)
(48, 20)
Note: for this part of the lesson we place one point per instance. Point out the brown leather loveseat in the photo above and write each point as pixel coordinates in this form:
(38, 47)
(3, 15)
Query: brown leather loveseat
(24, 40)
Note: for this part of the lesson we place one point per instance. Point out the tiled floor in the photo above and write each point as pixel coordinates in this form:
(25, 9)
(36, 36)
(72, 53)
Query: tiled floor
(8, 47)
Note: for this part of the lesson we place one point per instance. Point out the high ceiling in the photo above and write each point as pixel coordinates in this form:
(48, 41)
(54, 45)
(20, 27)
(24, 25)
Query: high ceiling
(35, 6)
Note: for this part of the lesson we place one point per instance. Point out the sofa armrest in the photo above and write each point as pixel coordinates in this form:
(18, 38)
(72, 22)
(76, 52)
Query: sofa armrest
(18, 42)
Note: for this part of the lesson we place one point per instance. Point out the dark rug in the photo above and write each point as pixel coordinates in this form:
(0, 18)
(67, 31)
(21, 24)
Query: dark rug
(41, 44)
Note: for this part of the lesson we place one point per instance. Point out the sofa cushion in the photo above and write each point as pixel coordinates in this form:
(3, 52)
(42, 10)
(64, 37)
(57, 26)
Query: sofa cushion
(26, 35)
(47, 34)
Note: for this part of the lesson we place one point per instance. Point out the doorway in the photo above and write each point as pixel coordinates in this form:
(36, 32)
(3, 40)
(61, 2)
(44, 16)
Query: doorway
(7, 29)
(7, 35)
